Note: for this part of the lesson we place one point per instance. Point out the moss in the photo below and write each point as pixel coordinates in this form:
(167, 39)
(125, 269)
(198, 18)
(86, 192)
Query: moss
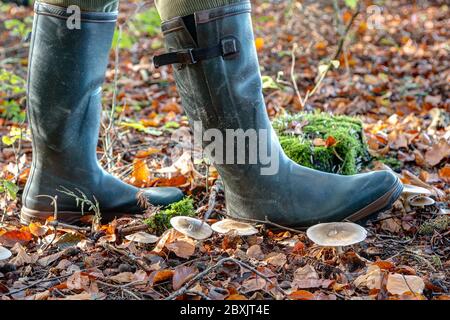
(161, 220)
(346, 156)
(438, 224)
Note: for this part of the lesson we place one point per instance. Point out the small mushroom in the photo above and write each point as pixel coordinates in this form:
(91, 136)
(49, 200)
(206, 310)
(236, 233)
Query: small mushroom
(4, 253)
(142, 237)
(336, 234)
(191, 227)
(420, 201)
(412, 191)
(241, 228)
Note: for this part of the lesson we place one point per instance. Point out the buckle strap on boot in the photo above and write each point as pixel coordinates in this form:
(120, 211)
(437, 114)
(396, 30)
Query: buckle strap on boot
(228, 47)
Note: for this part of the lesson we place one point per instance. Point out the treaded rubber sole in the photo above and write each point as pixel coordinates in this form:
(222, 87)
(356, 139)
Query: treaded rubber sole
(69, 217)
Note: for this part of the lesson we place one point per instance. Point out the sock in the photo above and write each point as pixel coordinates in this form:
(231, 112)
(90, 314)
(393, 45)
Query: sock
(87, 5)
(168, 9)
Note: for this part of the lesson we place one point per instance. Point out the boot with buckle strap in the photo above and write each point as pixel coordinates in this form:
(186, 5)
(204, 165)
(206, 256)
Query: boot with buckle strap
(217, 75)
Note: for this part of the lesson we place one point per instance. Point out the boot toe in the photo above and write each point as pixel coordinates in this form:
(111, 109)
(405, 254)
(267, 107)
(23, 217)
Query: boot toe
(163, 196)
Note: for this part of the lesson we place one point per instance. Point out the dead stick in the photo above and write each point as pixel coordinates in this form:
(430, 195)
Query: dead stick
(185, 288)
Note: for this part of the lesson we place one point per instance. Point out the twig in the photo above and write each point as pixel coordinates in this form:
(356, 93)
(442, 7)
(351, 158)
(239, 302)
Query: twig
(199, 276)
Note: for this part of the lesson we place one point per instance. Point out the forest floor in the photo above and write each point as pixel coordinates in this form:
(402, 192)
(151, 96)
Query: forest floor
(394, 74)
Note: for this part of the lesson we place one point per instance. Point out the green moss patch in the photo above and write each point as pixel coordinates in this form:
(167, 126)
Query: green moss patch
(334, 144)
(161, 220)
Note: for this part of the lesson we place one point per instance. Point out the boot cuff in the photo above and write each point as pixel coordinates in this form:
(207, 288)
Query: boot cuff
(62, 13)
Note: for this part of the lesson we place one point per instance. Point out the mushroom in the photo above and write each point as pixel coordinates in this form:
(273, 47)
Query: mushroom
(410, 191)
(336, 234)
(142, 237)
(4, 253)
(420, 201)
(241, 228)
(191, 227)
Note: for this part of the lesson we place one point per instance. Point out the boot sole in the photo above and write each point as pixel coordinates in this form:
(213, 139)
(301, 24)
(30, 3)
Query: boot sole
(69, 217)
(381, 204)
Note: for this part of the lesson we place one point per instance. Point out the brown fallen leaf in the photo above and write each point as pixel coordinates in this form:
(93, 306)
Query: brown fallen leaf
(22, 256)
(372, 278)
(400, 284)
(302, 295)
(253, 284)
(160, 276)
(236, 297)
(141, 173)
(182, 275)
(10, 238)
(276, 259)
(37, 229)
(255, 252)
(437, 152)
(78, 281)
(444, 173)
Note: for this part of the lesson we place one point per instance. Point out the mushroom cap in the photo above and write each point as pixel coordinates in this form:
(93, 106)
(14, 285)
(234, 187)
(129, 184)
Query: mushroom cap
(421, 201)
(4, 253)
(336, 234)
(191, 227)
(409, 189)
(142, 237)
(242, 228)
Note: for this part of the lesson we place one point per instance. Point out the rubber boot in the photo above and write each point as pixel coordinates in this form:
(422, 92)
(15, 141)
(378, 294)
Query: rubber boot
(217, 75)
(66, 72)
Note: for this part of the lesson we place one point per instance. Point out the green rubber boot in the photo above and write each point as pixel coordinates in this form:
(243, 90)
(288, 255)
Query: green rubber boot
(66, 71)
(217, 75)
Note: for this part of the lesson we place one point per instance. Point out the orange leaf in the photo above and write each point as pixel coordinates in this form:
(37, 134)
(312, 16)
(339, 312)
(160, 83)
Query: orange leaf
(444, 173)
(171, 107)
(10, 238)
(37, 229)
(141, 172)
(331, 141)
(160, 276)
(437, 152)
(236, 297)
(301, 295)
(147, 153)
(259, 44)
(384, 265)
(175, 181)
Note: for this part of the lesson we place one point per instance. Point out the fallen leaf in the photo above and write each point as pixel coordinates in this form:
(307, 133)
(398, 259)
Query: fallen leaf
(22, 256)
(372, 278)
(276, 259)
(160, 276)
(78, 281)
(255, 252)
(182, 248)
(37, 229)
(253, 284)
(45, 261)
(10, 238)
(444, 173)
(236, 297)
(123, 277)
(302, 295)
(400, 284)
(437, 152)
(182, 275)
(141, 173)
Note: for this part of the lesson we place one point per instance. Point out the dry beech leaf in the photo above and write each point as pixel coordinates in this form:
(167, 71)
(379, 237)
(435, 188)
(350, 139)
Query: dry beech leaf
(255, 252)
(372, 278)
(141, 172)
(22, 256)
(236, 297)
(123, 277)
(182, 275)
(253, 284)
(10, 238)
(302, 295)
(400, 284)
(277, 259)
(78, 281)
(160, 276)
(37, 229)
(437, 152)
(183, 248)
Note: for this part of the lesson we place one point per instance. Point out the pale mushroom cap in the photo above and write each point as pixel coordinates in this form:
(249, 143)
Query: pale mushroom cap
(421, 201)
(242, 228)
(191, 227)
(142, 237)
(4, 253)
(410, 190)
(336, 234)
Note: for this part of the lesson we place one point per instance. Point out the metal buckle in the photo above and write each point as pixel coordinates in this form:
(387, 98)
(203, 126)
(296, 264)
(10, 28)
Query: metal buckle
(186, 57)
(229, 47)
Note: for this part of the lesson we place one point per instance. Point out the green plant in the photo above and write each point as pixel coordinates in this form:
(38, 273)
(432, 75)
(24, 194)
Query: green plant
(8, 188)
(11, 85)
(161, 220)
(19, 28)
(328, 143)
